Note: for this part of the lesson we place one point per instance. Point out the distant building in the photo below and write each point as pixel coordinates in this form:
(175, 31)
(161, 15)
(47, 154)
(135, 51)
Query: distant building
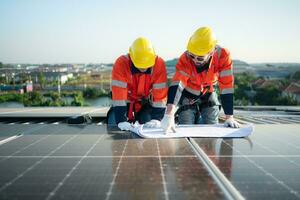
(262, 83)
(53, 76)
(293, 90)
(272, 73)
(59, 69)
(27, 87)
(258, 82)
(31, 67)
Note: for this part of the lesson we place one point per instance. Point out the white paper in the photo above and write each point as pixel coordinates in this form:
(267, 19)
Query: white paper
(215, 131)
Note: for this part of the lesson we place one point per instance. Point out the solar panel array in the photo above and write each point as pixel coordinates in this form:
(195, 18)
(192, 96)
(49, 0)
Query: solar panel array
(49, 159)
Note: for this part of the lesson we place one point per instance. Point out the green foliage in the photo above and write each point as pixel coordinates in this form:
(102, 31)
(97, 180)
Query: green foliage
(267, 96)
(23, 78)
(56, 99)
(287, 100)
(296, 75)
(285, 82)
(55, 96)
(78, 99)
(2, 80)
(37, 99)
(246, 94)
(42, 79)
(241, 102)
(94, 93)
(272, 96)
(11, 97)
(34, 99)
(242, 85)
(48, 99)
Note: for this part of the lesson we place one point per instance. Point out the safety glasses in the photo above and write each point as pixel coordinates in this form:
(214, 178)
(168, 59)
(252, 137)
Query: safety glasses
(200, 59)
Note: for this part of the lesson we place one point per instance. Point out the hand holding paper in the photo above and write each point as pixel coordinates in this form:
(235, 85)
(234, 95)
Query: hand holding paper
(153, 124)
(125, 126)
(168, 123)
(230, 122)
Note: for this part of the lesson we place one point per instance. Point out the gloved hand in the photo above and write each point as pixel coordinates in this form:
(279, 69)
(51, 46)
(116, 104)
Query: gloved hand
(153, 123)
(125, 126)
(230, 122)
(168, 123)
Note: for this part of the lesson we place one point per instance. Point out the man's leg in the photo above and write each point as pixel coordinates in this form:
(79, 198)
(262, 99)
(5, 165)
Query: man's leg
(210, 115)
(187, 116)
(144, 115)
(111, 120)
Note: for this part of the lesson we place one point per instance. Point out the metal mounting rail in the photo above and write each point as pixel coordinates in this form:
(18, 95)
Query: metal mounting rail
(10, 139)
(225, 185)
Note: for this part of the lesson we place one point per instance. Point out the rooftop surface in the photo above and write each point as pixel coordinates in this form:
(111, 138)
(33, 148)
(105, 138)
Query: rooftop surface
(42, 157)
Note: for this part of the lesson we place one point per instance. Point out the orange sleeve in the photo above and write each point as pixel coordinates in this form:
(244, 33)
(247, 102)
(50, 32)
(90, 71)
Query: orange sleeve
(225, 73)
(119, 82)
(159, 84)
(179, 80)
(182, 73)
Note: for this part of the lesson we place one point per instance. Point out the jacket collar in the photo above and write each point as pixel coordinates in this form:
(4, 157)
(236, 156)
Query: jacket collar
(204, 67)
(135, 70)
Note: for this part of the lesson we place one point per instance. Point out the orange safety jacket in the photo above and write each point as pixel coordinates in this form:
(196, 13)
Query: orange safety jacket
(219, 72)
(131, 86)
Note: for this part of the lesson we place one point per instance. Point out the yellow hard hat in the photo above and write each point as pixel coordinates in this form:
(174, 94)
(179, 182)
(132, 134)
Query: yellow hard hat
(142, 53)
(202, 41)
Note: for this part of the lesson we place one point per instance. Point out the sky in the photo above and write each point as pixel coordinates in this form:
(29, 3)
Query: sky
(99, 31)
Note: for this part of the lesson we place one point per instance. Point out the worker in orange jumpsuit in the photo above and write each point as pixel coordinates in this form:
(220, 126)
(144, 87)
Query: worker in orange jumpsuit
(199, 70)
(139, 87)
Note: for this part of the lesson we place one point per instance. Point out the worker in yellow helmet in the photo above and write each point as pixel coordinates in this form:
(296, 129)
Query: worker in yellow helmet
(198, 71)
(139, 87)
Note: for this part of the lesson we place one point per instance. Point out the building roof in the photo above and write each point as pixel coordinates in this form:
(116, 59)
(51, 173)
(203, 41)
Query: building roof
(261, 83)
(258, 82)
(293, 88)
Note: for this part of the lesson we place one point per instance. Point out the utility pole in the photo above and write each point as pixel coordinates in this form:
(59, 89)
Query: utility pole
(58, 85)
(101, 82)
